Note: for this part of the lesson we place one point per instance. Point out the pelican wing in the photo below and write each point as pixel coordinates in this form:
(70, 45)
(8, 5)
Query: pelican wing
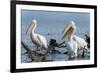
(81, 42)
(43, 40)
(35, 40)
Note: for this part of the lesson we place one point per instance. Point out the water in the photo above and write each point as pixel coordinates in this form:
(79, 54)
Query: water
(51, 25)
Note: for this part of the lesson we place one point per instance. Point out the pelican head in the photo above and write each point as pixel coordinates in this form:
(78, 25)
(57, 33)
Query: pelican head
(69, 29)
(31, 27)
(34, 21)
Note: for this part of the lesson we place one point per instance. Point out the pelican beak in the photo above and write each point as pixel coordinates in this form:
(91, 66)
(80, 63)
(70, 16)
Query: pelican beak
(67, 31)
(28, 32)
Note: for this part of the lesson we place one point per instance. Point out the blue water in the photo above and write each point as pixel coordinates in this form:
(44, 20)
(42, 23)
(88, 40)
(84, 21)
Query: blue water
(51, 24)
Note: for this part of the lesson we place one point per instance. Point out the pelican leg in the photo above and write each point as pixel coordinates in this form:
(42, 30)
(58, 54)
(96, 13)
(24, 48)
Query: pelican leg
(76, 48)
(75, 54)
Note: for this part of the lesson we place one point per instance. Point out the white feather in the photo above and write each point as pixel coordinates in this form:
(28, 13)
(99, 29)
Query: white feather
(81, 42)
(43, 40)
(74, 42)
(37, 39)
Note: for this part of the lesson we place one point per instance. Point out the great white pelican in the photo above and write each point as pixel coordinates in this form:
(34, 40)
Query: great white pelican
(39, 40)
(73, 42)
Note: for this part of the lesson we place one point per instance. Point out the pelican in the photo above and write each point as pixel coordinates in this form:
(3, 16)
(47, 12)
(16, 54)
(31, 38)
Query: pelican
(39, 40)
(73, 42)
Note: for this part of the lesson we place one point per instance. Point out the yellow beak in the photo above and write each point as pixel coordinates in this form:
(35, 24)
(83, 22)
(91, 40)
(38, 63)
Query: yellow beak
(67, 31)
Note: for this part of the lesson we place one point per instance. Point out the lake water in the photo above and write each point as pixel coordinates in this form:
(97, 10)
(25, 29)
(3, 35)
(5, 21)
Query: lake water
(51, 25)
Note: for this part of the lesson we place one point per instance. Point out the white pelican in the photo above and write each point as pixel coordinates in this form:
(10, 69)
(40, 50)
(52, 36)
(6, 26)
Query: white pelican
(39, 40)
(73, 42)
